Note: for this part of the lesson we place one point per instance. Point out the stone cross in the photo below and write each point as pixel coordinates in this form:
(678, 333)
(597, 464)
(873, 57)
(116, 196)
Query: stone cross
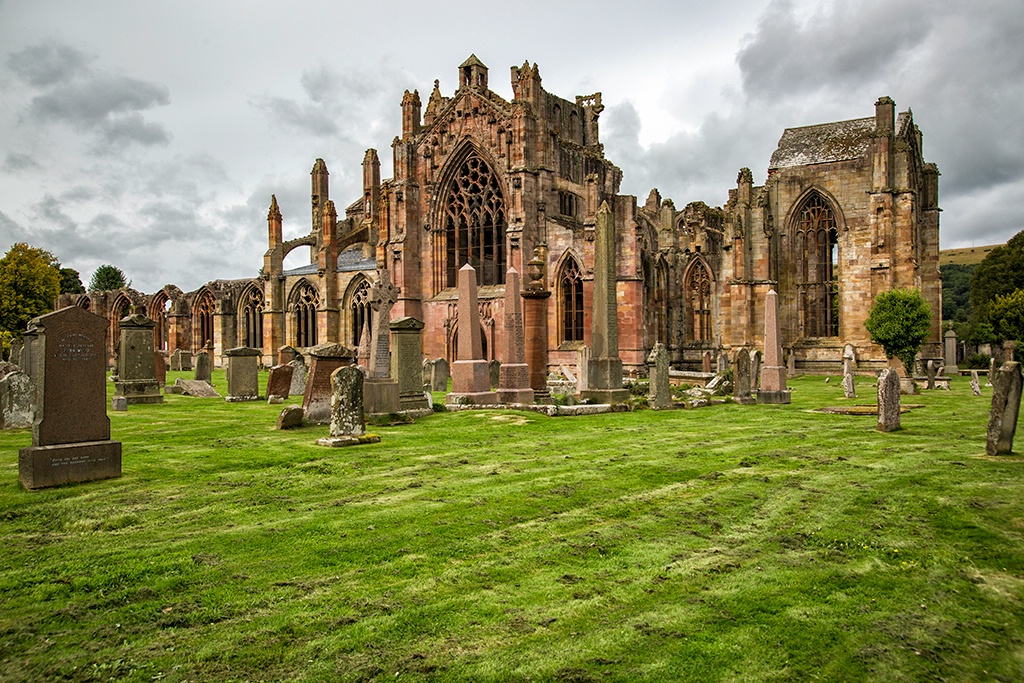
(659, 392)
(1002, 419)
(383, 296)
(605, 370)
(773, 374)
(888, 401)
(975, 383)
(741, 385)
(514, 373)
(471, 380)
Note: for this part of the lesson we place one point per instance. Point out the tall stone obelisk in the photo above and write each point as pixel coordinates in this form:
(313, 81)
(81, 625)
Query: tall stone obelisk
(471, 377)
(514, 374)
(604, 373)
(773, 372)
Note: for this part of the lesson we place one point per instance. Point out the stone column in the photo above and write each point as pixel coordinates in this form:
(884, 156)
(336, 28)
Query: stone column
(514, 373)
(471, 380)
(407, 363)
(773, 372)
(605, 372)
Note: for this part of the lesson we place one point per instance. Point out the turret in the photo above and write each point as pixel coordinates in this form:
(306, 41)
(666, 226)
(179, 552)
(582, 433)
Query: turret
(473, 74)
(371, 183)
(434, 105)
(320, 191)
(274, 223)
(410, 113)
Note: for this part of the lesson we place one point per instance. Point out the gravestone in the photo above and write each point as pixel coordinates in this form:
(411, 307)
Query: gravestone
(723, 363)
(298, 376)
(427, 374)
(290, 418)
(741, 384)
(181, 360)
(755, 369)
(849, 360)
(16, 394)
(286, 354)
(791, 364)
(773, 374)
(136, 361)
(991, 371)
(204, 367)
(582, 363)
(119, 404)
(71, 430)
(493, 370)
(975, 383)
(380, 389)
(243, 374)
(348, 425)
(407, 367)
(175, 361)
(931, 374)
(514, 374)
(705, 362)
(441, 375)
(160, 364)
(888, 401)
(604, 374)
(949, 351)
(279, 382)
(28, 353)
(659, 392)
(1002, 418)
(17, 346)
(470, 373)
(195, 388)
(849, 391)
(324, 360)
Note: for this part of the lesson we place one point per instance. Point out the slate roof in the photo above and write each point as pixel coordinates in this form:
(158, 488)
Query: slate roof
(827, 142)
(349, 261)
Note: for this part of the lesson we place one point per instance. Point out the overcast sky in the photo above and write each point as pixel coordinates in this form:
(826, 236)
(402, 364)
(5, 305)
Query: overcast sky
(151, 135)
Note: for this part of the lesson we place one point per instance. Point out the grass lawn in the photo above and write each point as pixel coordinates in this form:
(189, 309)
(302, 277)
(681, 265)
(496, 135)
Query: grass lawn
(727, 543)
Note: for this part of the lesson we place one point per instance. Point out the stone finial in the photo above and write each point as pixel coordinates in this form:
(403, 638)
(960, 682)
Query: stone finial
(274, 213)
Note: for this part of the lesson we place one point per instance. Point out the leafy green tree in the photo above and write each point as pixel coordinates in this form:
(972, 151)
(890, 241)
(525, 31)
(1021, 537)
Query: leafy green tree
(29, 285)
(899, 321)
(1007, 315)
(999, 273)
(956, 291)
(108, 277)
(70, 282)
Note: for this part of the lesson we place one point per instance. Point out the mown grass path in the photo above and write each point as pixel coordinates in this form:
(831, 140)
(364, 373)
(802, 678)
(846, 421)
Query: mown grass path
(728, 543)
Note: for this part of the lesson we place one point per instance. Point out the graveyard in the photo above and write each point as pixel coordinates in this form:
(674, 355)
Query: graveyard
(727, 542)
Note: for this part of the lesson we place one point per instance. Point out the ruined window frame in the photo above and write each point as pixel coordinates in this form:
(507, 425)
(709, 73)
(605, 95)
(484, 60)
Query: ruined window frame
(474, 223)
(816, 255)
(570, 303)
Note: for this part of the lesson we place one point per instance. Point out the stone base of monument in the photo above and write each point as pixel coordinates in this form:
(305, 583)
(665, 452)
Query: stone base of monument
(45, 466)
(479, 398)
(520, 396)
(351, 440)
(773, 397)
(471, 383)
(414, 403)
(139, 391)
(747, 400)
(908, 387)
(380, 396)
(605, 395)
(242, 399)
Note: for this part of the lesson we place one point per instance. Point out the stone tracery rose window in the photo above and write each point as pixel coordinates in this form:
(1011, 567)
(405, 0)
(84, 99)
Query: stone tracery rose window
(474, 224)
(816, 244)
(570, 301)
(698, 296)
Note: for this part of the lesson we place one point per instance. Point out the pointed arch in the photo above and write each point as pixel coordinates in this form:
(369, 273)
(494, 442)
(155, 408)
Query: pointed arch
(660, 309)
(815, 227)
(84, 301)
(302, 305)
(360, 313)
(569, 306)
(202, 318)
(698, 285)
(158, 308)
(122, 307)
(470, 218)
(250, 316)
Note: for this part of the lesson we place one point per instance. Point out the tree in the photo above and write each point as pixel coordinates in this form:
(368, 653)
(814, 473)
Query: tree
(107, 277)
(956, 290)
(1007, 315)
(29, 285)
(999, 273)
(899, 321)
(70, 282)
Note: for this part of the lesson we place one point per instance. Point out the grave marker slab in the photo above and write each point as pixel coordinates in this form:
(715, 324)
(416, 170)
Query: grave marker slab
(136, 361)
(888, 401)
(849, 390)
(407, 367)
(204, 367)
(1002, 419)
(16, 394)
(243, 374)
(299, 372)
(975, 383)
(659, 392)
(741, 392)
(440, 375)
(196, 388)
(324, 360)
(279, 381)
(348, 426)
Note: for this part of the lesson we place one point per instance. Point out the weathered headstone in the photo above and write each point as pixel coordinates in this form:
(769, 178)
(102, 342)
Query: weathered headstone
(175, 360)
(71, 430)
(290, 417)
(470, 373)
(493, 370)
(441, 375)
(949, 351)
(427, 374)
(348, 425)
(243, 374)
(849, 360)
(298, 376)
(204, 367)
(407, 367)
(791, 364)
(380, 389)
(286, 354)
(888, 401)
(991, 371)
(705, 362)
(119, 404)
(659, 392)
(136, 361)
(931, 374)
(582, 363)
(324, 360)
(160, 364)
(1002, 419)
(975, 383)
(16, 394)
(723, 363)
(741, 383)
(605, 369)
(755, 369)
(773, 374)
(279, 382)
(849, 390)
(181, 360)
(17, 345)
(514, 374)
(195, 388)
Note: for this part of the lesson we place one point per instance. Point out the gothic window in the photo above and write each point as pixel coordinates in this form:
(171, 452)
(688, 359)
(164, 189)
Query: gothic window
(304, 306)
(122, 309)
(661, 312)
(698, 297)
(252, 317)
(362, 313)
(474, 224)
(158, 313)
(570, 301)
(203, 320)
(817, 261)
(567, 204)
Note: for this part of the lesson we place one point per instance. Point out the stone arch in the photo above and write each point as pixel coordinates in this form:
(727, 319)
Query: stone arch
(356, 304)
(303, 302)
(158, 308)
(698, 290)
(203, 308)
(569, 302)
(251, 304)
(661, 296)
(815, 223)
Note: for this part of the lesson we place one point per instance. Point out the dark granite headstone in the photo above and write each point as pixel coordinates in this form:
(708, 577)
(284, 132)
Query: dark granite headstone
(204, 367)
(71, 431)
(279, 381)
(325, 359)
(1002, 419)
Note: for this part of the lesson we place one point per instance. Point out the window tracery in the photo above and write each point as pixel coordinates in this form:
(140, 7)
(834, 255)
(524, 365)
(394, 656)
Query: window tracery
(474, 224)
(362, 313)
(570, 301)
(252, 318)
(817, 259)
(698, 296)
(304, 315)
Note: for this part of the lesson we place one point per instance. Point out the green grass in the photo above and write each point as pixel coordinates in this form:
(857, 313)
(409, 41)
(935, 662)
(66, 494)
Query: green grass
(728, 543)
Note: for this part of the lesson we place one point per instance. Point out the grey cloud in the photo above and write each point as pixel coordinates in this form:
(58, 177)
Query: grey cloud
(10, 230)
(48, 63)
(320, 83)
(50, 209)
(78, 193)
(89, 104)
(306, 118)
(133, 128)
(15, 162)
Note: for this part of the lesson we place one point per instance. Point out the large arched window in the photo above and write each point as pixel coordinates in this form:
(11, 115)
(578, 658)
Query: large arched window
(252, 318)
(304, 304)
(570, 301)
(660, 302)
(474, 224)
(362, 313)
(202, 324)
(698, 300)
(816, 241)
(158, 314)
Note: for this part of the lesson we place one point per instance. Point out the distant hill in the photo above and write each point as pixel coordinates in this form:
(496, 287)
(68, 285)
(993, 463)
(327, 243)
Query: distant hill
(967, 256)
